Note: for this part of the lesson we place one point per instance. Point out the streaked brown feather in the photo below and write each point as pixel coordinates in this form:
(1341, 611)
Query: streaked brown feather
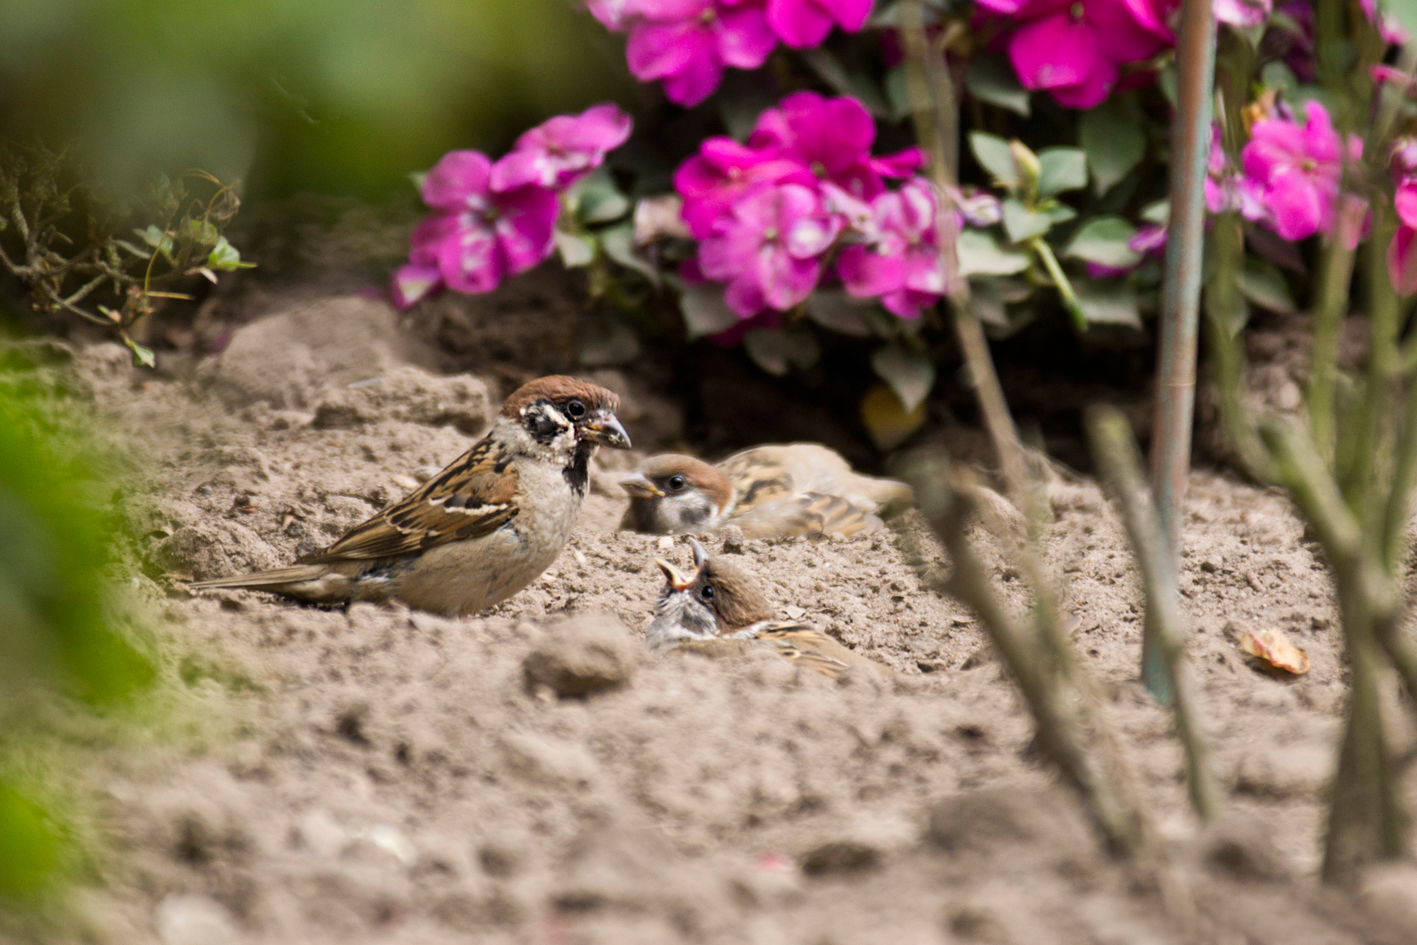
(473, 497)
(294, 574)
(809, 514)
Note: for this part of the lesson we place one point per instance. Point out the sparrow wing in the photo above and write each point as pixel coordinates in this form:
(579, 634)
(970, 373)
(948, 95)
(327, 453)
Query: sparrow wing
(474, 496)
(758, 478)
(803, 644)
(809, 514)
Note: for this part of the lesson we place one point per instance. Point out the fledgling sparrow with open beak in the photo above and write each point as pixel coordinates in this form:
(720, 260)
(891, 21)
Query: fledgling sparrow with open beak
(768, 491)
(721, 604)
(480, 530)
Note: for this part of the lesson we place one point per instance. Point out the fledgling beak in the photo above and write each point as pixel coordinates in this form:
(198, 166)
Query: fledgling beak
(604, 428)
(676, 580)
(700, 552)
(637, 484)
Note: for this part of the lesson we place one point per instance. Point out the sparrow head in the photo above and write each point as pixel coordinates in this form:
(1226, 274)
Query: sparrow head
(549, 408)
(716, 599)
(672, 494)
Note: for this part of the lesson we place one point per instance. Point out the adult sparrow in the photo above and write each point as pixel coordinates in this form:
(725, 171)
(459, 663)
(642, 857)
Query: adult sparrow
(480, 530)
(719, 608)
(767, 491)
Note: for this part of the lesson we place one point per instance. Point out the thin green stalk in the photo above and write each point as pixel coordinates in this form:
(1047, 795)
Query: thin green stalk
(1332, 306)
(1060, 280)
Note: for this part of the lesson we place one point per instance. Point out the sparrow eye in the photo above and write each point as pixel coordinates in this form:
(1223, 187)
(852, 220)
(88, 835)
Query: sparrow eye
(676, 483)
(706, 592)
(575, 410)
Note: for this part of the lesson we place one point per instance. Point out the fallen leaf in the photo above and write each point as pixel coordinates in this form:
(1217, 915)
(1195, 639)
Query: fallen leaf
(1274, 648)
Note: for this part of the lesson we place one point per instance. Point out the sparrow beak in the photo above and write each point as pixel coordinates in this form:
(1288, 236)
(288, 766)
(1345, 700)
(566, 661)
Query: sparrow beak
(639, 487)
(604, 428)
(700, 553)
(676, 580)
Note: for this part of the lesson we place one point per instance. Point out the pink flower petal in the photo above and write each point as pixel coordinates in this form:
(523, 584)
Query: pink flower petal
(412, 284)
(850, 15)
(1295, 206)
(745, 297)
(471, 261)
(696, 82)
(657, 50)
(1405, 200)
(801, 24)
(522, 168)
(458, 178)
(525, 228)
(744, 37)
(1053, 52)
(1402, 260)
(865, 272)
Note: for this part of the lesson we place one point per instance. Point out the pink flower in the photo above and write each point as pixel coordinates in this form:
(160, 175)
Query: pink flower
(1402, 260)
(1388, 28)
(687, 43)
(831, 139)
(723, 170)
(1073, 48)
(613, 14)
(414, 282)
(476, 236)
(902, 264)
(769, 249)
(1243, 12)
(1402, 251)
(1295, 172)
(562, 149)
(805, 23)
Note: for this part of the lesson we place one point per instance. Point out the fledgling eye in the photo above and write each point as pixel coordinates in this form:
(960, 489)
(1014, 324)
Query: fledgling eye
(575, 409)
(706, 592)
(676, 483)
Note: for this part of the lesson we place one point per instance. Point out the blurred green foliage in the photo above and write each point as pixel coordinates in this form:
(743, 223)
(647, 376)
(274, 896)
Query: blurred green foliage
(332, 96)
(56, 636)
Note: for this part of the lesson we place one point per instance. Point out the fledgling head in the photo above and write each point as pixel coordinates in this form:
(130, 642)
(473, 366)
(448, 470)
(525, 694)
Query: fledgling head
(562, 416)
(673, 494)
(718, 598)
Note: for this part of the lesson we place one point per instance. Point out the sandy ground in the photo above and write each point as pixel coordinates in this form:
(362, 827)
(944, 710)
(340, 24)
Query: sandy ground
(384, 775)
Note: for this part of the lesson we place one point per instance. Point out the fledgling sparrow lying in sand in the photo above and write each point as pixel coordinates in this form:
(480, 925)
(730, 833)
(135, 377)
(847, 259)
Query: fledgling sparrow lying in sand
(767, 491)
(480, 530)
(719, 609)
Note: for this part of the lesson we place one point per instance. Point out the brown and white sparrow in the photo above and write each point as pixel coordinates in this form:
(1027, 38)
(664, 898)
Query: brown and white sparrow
(767, 491)
(720, 607)
(480, 530)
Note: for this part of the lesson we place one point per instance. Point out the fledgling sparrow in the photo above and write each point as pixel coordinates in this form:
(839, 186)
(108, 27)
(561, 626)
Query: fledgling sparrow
(767, 491)
(480, 530)
(721, 604)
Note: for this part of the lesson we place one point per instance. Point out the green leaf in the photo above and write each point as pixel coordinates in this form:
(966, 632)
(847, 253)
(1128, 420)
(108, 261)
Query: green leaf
(1021, 223)
(1103, 240)
(898, 93)
(575, 250)
(856, 84)
(1107, 303)
(992, 153)
(705, 312)
(1057, 212)
(619, 244)
(991, 79)
(776, 351)
(909, 373)
(200, 231)
(1114, 144)
(226, 258)
(1158, 212)
(597, 200)
(834, 309)
(980, 254)
(886, 420)
(142, 355)
(157, 239)
(1262, 285)
(1062, 169)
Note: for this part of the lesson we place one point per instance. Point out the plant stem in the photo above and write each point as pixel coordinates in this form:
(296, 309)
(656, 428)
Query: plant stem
(1117, 456)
